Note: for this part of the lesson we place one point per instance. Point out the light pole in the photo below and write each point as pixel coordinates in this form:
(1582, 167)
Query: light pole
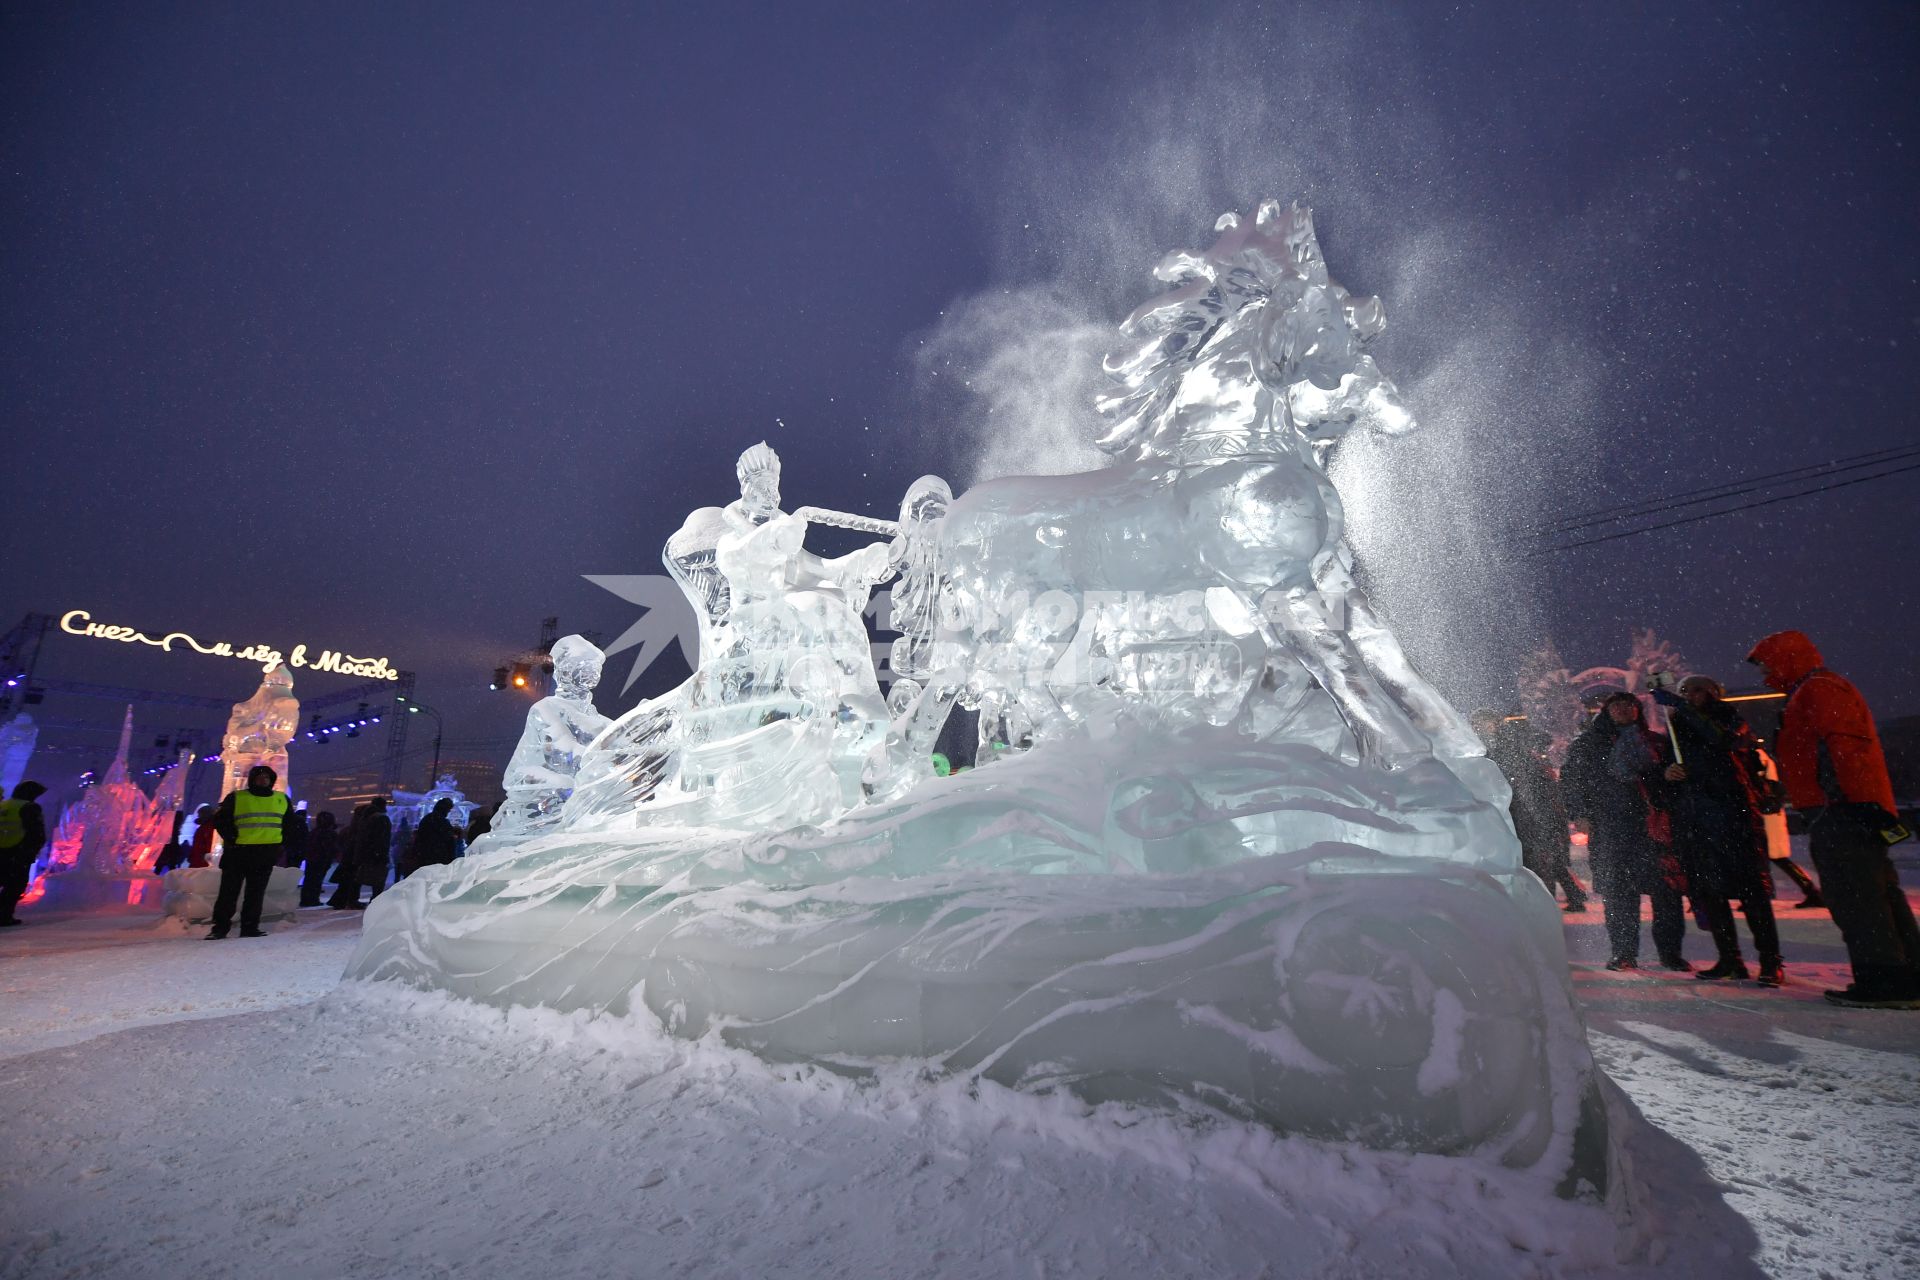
(439, 728)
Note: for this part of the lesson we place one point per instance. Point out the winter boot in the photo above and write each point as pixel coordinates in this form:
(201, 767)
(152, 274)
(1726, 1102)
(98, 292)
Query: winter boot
(1874, 998)
(1879, 988)
(215, 934)
(1736, 969)
(1623, 963)
(1676, 962)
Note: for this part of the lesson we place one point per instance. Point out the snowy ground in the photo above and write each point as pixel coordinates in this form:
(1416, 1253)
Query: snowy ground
(178, 1107)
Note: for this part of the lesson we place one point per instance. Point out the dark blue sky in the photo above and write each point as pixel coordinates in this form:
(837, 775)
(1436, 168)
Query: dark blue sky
(379, 324)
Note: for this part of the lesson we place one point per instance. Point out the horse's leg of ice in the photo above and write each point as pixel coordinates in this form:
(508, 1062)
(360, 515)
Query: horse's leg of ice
(1382, 729)
(1451, 734)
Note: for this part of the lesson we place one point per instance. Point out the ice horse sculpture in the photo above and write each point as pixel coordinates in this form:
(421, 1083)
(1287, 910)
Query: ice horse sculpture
(1240, 860)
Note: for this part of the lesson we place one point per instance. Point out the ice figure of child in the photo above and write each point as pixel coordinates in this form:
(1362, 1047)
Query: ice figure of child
(559, 727)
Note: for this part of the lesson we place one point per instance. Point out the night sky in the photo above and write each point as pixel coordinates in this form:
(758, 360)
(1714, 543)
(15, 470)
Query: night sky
(376, 326)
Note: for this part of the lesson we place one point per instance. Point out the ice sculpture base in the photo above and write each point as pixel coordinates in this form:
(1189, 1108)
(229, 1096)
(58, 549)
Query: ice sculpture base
(77, 891)
(1108, 922)
(189, 893)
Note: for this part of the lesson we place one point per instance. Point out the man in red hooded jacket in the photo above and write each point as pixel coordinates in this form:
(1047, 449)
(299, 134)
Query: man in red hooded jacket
(1830, 762)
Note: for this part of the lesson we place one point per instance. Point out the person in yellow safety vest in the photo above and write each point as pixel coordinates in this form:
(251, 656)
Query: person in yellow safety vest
(23, 833)
(252, 825)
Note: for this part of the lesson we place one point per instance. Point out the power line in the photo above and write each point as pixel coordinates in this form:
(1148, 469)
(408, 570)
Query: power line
(1747, 506)
(1714, 493)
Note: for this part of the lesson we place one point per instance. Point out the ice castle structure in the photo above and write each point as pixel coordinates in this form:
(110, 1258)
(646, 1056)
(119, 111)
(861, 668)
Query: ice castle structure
(1234, 857)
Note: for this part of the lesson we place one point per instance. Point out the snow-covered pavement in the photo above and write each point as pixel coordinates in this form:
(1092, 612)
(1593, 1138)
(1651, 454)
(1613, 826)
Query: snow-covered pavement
(1806, 1115)
(179, 1107)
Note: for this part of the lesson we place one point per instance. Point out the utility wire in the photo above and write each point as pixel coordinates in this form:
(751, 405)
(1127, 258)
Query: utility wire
(1714, 493)
(1746, 506)
(1661, 500)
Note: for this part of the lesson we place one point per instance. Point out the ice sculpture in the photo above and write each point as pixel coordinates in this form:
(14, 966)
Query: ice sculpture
(17, 739)
(170, 796)
(1236, 856)
(106, 841)
(540, 775)
(774, 726)
(112, 816)
(406, 808)
(259, 730)
(1203, 579)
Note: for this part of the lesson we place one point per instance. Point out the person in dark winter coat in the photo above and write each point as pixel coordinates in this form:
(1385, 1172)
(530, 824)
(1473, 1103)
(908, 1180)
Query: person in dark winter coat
(1539, 819)
(200, 853)
(1718, 789)
(435, 843)
(479, 822)
(346, 889)
(369, 838)
(23, 834)
(1605, 782)
(173, 853)
(323, 850)
(294, 851)
(1835, 773)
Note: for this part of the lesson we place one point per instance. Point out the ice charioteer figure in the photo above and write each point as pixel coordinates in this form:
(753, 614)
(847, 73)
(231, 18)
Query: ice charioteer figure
(559, 727)
(784, 702)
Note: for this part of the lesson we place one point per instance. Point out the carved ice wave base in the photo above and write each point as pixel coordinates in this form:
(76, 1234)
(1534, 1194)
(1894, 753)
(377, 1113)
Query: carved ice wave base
(1349, 955)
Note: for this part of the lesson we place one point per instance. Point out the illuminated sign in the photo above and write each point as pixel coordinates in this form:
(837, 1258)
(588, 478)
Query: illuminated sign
(78, 622)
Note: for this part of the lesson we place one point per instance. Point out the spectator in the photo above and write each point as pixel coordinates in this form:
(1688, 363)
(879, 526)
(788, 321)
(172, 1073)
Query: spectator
(1834, 773)
(253, 823)
(200, 853)
(174, 852)
(369, 838)
(294, 851)
(346, 888)
(479, 822)
(23, 833)
(1539, 819)
(1718, 796)
(323, 850)
(436, 843)
(1605, 783)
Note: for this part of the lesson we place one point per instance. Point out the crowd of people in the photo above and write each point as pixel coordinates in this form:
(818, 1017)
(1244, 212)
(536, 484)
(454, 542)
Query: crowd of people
(258, 828)
(1697, 816)
(360, 857)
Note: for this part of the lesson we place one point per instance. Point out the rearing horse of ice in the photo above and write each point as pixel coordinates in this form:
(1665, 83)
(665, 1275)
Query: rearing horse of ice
(1201, 578)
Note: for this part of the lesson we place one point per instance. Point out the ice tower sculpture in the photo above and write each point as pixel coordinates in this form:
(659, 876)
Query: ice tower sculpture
(112, 816)
(1238, 856)
(17, 739)
(110, 832)
(541, 773)
(259, 730)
